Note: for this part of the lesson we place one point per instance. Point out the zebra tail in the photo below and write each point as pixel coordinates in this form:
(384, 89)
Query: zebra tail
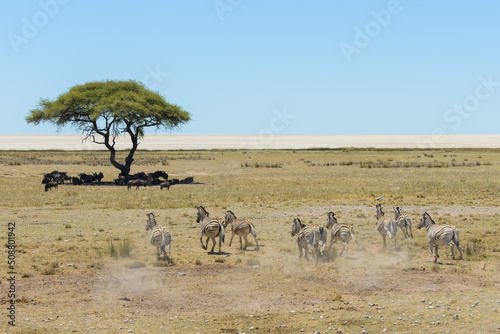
(223, 233)
(253, 230)
(352, 236)
(456, 237)
(315, 242)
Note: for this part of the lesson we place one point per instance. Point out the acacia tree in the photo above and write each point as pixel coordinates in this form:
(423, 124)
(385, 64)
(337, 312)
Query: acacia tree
(104, 110)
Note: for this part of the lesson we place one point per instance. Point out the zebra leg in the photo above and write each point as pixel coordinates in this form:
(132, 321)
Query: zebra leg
(430, 249)
(460, 250)
(230, 241)
(169, 255)
(300, 252)
(457, 243)
(202, 245)
(246, 241)
(436, 256)
(220, 244)
(307, 250)
(213, 244)
(452, 253)
(332, 240)
(403, 230)
(344, 248)
(383, 237)
(162, 251)
(241, 245)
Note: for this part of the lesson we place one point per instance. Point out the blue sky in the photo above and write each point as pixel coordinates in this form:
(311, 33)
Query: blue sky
(248, 67)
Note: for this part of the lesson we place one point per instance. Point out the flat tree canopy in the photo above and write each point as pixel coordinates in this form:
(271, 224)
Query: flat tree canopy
(107, 109)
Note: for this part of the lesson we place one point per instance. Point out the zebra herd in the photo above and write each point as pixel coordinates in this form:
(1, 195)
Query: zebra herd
(310, 239)
(211, 228)
(437, 235)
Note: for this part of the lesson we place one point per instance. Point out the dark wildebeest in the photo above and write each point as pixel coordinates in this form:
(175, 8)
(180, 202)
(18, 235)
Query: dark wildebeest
(86, 178)
(76, 181)
(167, 184)
(49, 185)
(136, 183)
(97, 177)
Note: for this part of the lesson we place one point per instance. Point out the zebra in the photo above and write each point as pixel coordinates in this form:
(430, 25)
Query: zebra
(440, 235)
(321, 237)
(341, 232)
(386, 226)
(307, 237)
(241, 228)
(403, 222)
(160, 237)
(211, 228)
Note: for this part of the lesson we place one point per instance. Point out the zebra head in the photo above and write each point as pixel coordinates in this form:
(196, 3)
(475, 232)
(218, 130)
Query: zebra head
(425, 220)
(380, 213)
(297, 226)
(230, 217)
(331, 220)
(397, 212)
(202, 214)
(151, 221)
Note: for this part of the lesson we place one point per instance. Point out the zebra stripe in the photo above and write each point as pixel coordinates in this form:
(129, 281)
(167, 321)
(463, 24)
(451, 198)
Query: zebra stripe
(440, 235)
(241, 228)
(387, 226)
(160, 237)
(210, 228)
(340, 232)
(403, 222)
(307, 237)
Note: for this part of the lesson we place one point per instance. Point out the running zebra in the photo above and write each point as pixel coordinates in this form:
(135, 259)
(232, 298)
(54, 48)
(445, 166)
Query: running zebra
(322, 236)
(440, 235)
(160, 237)
(241, 228)
(307, 237)
(386, 226)
(340, 232)
(404, 222)
(211, 228)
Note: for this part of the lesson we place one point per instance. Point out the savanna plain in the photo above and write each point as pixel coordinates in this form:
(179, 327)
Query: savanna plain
(84, 262)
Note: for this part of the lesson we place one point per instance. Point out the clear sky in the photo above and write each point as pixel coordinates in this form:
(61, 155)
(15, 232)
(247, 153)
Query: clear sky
(260, 66)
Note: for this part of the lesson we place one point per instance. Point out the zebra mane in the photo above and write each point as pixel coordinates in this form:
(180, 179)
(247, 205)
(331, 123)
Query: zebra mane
(230, 217)
(152, 219)
(428, 217)
(200, 208)
(331, 218)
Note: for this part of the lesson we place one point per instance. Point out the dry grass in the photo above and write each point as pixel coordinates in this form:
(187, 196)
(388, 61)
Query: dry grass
(64, 240)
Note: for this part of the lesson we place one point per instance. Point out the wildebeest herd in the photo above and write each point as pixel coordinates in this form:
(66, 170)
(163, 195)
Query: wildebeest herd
(53, 179)
(310, 239)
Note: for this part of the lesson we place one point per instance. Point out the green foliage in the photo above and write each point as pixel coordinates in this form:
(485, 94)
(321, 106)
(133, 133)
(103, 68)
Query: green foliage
(108, 109)
(123, 249)
(112, 251)
(109, 105)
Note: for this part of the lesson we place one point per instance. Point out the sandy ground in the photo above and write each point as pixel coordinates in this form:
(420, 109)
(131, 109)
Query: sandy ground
(258, 141)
